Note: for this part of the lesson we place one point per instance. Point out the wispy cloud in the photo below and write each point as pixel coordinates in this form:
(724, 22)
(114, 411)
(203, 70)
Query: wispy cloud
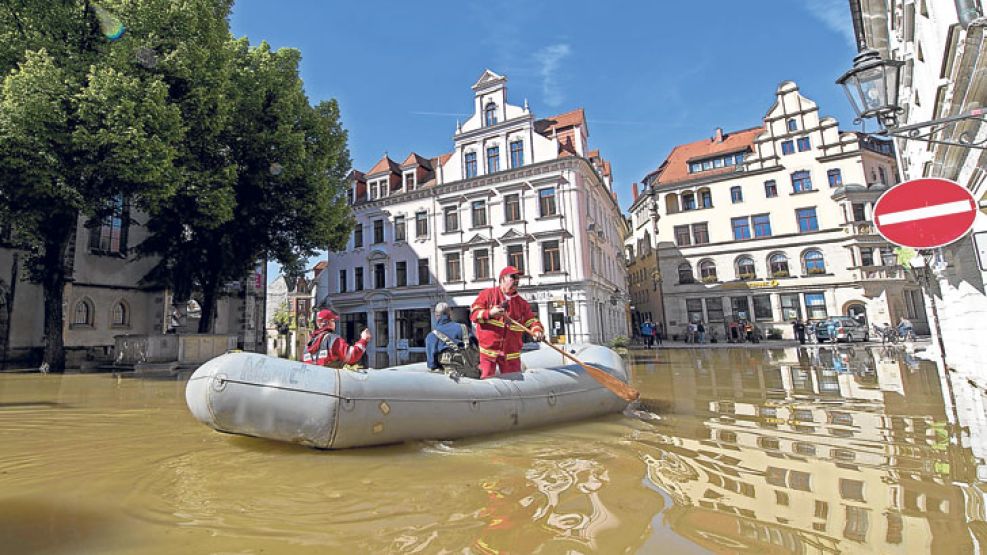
(835, 15)
(549, 59)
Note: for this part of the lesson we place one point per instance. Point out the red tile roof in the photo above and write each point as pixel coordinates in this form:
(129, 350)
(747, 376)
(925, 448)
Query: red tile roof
(569, 119)
(413, 159)
(384, 165)
(675, 168)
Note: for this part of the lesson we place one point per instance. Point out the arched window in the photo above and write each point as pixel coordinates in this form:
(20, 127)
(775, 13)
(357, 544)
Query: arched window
(778, 265)
(490, 114)
(688, 201)
(685, 273)
(671, 203)
(745, 268)
(707, 271)
(705, 198)
(792, 125)
(83, 313)
(120, 315)
(813, 263)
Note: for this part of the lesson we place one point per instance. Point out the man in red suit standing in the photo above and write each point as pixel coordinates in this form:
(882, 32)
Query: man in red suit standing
(500, 341)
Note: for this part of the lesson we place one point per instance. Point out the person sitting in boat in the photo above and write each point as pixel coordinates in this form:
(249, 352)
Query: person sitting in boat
(325, 348)
(500, 338)
(451, 347)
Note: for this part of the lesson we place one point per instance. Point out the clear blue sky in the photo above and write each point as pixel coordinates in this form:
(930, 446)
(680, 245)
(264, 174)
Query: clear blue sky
(650, 75)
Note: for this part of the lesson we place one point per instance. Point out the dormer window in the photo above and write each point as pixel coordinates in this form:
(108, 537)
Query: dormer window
(409, 181)
(490, 114)
(378, 189)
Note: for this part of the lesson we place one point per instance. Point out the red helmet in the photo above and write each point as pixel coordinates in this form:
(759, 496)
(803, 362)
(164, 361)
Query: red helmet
(511, 271)
(326, 314)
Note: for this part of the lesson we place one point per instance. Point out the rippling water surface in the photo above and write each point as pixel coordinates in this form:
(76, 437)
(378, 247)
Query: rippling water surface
(733, 451)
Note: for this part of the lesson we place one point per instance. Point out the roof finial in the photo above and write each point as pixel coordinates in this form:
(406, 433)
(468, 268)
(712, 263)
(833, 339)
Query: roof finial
(525, 104)
(459, 126)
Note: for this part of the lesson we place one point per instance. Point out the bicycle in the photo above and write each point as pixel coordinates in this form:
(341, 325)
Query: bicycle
(888, 334)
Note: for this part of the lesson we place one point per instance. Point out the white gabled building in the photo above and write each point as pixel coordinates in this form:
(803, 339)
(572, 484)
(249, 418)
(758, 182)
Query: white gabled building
(515, 190)
(773, 224)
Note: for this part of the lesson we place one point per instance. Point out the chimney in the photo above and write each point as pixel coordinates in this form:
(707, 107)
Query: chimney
(719, 135)
(634, 190)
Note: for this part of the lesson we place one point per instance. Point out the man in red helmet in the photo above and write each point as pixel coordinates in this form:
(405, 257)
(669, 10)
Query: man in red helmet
(325, 348)
(500, 341)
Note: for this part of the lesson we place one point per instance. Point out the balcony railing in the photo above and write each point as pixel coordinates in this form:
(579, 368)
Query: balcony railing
(876, 273)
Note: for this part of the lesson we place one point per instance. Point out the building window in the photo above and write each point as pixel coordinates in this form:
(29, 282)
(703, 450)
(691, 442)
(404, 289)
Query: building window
(707, 271)
(424, 275)
(859, 212)
(421, 224)
(400, 233)
(695, 167)
(762, 307)
(401, 274)
(110, 234)
(852, 489)
(454, 271)
(551, 261)
(342, 281)
(740, 308)
(409, 181)
(791, 309)
(120, 315)
(451, 218)
(745, 268)
(807, 220)
(83, 314)
(358, 236)
(378, 189)
(778, 265)
(479, 213)
(741, 228)
(490, 114)
(700, 233)
(714, 309)
(762, 225)
(685, 273)
(688, 201)
(813, 263)
(378, 231)
(517, 154)
(804, 144)
(515, 257)
(866, 257)
(815, 306)
(801, 182)
(546, 202)
(792, 125)
(512, 208)
(705, 198)
(481, 264)
(770, 189)
(470, 164)
(493, 159)
(694, 309)
(856, 525)
(787, 147)
(835, 178)
(888, 257)
(884, 177)
(736, 194)
(682, 236)
(379, 279)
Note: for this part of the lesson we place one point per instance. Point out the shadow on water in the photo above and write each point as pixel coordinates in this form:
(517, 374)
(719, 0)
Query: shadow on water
(34, 405)
(34, 526)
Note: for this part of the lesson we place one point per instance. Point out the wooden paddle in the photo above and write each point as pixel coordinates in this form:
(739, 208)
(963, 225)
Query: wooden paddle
(617, 387)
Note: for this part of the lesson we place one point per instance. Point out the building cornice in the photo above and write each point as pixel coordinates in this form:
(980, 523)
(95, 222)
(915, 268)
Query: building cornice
(494, 130)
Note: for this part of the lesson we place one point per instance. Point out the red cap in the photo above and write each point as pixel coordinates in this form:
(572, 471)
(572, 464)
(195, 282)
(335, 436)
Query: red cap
(326, 314)
(510, 271)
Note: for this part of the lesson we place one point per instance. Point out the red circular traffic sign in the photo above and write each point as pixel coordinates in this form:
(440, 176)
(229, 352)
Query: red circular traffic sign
(925, 213)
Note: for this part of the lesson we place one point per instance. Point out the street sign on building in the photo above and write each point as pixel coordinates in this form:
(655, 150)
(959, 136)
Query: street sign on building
(925, 213)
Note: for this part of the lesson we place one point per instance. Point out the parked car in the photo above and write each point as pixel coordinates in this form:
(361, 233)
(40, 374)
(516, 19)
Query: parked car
(847, 329)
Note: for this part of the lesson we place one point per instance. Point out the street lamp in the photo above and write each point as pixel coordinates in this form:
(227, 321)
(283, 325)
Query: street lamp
(653, 209)
(872, 87)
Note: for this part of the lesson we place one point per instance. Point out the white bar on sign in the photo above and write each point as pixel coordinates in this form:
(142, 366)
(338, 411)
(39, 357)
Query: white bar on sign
(947, 209)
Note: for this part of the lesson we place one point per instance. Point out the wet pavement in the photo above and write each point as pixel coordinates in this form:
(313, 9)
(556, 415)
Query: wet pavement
(844, 449)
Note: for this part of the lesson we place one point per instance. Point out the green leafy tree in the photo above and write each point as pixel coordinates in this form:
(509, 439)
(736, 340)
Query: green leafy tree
(80, 127)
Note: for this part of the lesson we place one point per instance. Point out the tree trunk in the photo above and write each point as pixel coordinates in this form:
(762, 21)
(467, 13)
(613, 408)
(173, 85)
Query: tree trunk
(57, 238)
(8, 307)
(210, 296)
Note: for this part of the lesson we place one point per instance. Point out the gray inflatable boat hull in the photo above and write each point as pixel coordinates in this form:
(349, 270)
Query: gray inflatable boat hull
(262, 396)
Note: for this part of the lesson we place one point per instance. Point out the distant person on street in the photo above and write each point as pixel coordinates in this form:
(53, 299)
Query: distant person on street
(659, 332)
(701, 332)
(800, 331)
(831, 330)
(811, 331)
(647, 331)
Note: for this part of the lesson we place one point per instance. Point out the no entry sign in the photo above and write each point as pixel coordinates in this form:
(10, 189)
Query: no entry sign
(925, 213)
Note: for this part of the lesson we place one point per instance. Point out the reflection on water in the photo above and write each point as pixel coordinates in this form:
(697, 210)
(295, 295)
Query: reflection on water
(815, 450)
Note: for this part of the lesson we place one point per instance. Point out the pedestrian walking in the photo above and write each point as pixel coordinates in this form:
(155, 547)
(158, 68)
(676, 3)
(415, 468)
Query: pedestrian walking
(701, 332)
(659, 332)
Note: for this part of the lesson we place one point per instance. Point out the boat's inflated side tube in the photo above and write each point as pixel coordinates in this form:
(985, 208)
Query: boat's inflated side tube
(289, 401)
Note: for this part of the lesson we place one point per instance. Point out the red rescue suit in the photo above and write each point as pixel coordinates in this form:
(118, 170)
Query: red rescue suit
(500, 341)
(326, 348)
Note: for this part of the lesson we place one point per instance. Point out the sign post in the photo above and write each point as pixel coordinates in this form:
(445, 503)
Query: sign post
(925, 213)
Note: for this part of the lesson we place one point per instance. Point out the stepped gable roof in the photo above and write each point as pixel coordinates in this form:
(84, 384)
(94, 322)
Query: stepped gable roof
(675, 168)
(569, 119)
(384, 165)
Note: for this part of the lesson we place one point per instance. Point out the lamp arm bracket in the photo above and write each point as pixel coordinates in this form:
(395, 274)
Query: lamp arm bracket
(927, 131)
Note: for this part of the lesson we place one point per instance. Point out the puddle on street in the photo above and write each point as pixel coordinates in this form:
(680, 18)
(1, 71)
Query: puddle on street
(824, 450)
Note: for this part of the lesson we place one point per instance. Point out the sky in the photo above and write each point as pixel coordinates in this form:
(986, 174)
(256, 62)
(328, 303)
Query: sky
(650, 75)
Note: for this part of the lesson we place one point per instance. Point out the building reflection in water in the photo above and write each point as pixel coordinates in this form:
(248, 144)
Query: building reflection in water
(819, 450)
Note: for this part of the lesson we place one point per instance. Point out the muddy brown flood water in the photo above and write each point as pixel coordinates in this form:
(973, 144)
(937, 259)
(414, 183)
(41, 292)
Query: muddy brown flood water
(742, 451)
